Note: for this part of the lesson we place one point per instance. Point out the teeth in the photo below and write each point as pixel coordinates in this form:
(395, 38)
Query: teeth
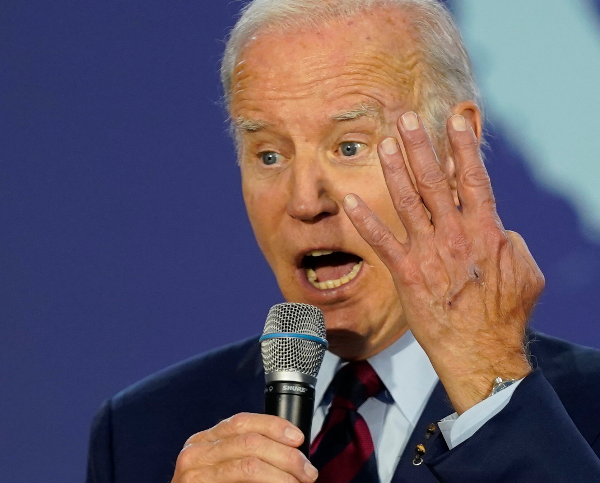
(329, 284)
(319, 253)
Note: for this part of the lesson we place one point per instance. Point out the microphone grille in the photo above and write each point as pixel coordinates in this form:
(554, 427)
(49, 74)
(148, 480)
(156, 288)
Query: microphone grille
(294, 339)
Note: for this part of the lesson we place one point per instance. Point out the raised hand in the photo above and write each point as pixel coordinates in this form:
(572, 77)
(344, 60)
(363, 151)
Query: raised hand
(467, 285)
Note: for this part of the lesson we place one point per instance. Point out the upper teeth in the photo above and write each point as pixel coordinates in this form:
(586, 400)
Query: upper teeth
(318, 253)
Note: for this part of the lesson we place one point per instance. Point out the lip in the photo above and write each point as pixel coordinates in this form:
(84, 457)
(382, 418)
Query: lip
(330, 295)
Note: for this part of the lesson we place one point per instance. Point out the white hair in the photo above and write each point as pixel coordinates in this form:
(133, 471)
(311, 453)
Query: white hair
(446, 76)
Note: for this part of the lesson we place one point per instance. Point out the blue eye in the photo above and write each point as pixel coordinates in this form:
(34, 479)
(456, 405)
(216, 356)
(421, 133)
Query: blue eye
(269, 157)
(350, 148)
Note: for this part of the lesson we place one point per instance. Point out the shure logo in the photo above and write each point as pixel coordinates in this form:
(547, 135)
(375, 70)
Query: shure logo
(293, 388)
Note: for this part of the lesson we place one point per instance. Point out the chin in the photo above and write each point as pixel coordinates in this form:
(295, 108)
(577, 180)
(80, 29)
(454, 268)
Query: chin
(349, 331)
(356, 332)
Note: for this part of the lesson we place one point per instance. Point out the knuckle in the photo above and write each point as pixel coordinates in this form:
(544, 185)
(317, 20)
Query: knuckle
(239, 421)
(408, 200)
(474, 176)
(250, 442)
(250, 466)
(495, 238)
(295, 458)
(433, 178)
(489, 203)
(186, 457)
(379, 236)
(193, 437)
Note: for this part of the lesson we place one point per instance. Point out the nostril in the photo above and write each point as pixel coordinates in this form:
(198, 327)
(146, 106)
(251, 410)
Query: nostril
(311, 204)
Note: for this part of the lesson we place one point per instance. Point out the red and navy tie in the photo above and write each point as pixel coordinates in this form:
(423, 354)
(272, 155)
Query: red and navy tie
(343, 451)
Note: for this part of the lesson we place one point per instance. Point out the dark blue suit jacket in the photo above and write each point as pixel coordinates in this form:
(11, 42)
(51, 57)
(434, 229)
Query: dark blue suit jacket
(549, 432)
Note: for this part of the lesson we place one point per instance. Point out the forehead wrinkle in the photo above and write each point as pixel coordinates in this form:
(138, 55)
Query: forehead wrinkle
(266, 74)
(397, 74)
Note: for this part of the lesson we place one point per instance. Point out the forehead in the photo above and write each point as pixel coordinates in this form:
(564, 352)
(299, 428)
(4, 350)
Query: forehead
(368, 58)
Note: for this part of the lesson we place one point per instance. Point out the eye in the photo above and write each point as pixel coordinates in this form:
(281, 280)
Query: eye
(270, 157)
(351, 148)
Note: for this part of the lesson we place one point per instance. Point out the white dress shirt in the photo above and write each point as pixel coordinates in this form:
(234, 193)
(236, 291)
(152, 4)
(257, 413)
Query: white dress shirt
(409, 379)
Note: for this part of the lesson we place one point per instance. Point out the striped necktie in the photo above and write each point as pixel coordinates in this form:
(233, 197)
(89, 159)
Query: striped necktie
(343, 451)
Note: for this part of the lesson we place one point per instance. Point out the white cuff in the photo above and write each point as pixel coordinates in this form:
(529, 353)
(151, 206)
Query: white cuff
(457, 429)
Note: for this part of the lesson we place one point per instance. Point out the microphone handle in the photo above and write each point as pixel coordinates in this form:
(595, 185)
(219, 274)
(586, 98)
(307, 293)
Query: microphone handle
(293, 401)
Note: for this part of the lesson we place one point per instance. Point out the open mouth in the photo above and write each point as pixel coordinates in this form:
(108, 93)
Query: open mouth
(326, 269)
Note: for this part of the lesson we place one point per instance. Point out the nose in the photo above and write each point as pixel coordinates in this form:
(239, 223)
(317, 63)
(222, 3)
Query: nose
(311, 191)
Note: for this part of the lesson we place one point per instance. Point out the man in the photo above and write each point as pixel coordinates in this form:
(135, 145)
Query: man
(339, 108)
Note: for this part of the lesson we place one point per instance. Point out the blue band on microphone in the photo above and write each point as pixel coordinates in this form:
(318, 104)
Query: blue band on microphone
(293, 335)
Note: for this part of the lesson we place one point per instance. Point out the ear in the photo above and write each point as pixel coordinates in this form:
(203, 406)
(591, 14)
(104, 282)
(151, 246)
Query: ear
(472, 115)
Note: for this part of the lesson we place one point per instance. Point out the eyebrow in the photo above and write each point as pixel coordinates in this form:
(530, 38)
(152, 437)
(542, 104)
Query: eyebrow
(248, 125)
(362, 110)
(243, 124)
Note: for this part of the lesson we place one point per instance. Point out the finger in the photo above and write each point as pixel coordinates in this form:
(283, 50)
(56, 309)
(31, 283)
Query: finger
(473, 182)
(406, 199)
(374, 232)
(273, 427)
(431, 181)
(245, 470)
(251, 445)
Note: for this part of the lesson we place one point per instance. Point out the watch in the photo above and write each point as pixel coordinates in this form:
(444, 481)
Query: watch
(500, 384)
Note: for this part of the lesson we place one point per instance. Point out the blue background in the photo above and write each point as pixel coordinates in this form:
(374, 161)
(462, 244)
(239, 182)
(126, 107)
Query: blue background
(124, 244)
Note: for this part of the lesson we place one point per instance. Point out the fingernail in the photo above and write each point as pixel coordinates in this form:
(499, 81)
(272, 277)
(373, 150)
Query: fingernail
(389, 146)
(459, 123)
(351, 201)
(410, 121)
(310, 471)
(293, 434)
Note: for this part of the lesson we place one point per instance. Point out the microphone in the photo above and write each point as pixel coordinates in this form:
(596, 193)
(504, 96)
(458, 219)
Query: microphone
(293, 345)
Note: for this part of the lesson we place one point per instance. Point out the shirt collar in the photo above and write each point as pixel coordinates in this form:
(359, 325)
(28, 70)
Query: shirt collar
(403, 367)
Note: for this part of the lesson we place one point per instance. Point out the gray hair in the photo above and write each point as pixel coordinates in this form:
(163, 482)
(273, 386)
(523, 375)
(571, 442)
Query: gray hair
(446, 77)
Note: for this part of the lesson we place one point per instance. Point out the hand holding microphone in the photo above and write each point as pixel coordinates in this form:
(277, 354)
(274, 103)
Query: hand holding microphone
(264, 447)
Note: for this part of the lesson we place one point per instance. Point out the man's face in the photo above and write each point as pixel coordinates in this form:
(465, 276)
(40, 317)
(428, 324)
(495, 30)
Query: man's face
(310, 109)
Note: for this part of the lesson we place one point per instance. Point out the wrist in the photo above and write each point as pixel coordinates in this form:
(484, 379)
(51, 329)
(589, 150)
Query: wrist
(471, 386)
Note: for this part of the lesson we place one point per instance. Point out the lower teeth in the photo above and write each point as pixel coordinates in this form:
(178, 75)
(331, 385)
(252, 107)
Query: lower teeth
(328, 284)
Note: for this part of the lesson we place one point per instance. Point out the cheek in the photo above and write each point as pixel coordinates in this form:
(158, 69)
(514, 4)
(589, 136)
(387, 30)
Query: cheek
(374, 192)
(263, 206)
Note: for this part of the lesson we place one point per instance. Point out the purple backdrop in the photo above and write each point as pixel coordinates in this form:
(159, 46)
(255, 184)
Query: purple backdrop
(124, 242)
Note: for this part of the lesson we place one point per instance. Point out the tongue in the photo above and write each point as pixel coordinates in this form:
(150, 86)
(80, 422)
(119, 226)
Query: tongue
(333, 272)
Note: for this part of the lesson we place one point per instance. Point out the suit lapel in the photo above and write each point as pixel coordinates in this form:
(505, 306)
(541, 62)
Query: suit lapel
(437, 407)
